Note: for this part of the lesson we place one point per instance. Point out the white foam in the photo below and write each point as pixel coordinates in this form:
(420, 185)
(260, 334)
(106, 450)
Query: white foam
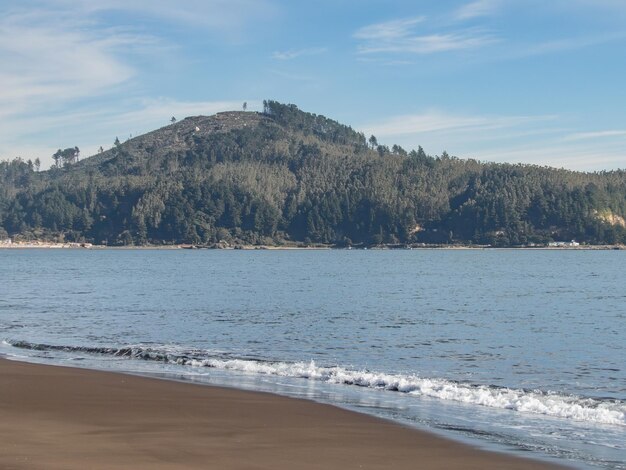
(611, 412)
(561, 406)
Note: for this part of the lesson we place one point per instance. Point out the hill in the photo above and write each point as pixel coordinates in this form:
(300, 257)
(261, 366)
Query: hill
(289, 176)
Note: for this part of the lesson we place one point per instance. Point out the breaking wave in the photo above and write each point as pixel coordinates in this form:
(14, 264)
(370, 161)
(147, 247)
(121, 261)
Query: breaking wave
(604, 411)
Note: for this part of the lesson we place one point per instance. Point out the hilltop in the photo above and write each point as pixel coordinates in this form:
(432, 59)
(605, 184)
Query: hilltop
(287, 176)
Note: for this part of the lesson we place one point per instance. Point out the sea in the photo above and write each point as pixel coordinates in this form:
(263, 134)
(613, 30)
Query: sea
(515, 351)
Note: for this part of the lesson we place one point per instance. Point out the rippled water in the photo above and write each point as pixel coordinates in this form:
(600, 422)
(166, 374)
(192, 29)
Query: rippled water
(516, 350)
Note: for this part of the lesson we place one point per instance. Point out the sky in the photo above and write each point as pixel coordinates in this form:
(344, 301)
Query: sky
(531, 81)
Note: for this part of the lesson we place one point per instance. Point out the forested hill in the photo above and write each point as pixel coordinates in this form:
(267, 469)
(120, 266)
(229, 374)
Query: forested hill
(286, 175)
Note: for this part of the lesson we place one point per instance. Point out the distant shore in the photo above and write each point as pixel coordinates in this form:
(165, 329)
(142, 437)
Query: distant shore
(58, 417)
(53, 245)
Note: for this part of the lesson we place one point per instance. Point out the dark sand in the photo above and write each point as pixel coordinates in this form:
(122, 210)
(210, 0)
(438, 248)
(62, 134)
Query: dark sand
(64, 418)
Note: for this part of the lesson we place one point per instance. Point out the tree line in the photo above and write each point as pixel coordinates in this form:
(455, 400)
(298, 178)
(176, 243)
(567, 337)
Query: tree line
(286, 175)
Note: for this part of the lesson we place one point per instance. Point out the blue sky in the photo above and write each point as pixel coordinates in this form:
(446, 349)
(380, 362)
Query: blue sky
(540, 82)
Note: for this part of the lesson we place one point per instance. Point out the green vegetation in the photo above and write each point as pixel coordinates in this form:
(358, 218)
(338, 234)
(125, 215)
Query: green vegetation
(286, 175)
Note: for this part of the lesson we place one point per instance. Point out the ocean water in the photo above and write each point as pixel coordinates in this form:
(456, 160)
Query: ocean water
(519, 351)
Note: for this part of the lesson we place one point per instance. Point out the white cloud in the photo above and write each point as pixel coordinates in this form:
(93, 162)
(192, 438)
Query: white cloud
(566, 44)
(229, 17)
(437, 121)
(401, 36)
(572, 157)
(53, 59)
(421, 36)
(47, 62)
(596, 135)
(477, 9)
(388, 30)
(430, 44)
(295, 53)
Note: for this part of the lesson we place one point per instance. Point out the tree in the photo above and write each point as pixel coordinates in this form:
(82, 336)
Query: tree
(173, 120)
(117, 142)
(101, 150)
(37, 164)
(69, 156)
(420, 153)
(304, 178)
(58, 155)
(397, 150)
(245, 105)
(373, 142)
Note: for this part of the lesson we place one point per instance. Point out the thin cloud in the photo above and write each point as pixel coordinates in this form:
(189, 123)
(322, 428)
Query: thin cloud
(430, 44)
(437, 121)
(50, 62)
(389, 30)
(402, 36)
(573, 43)
(573, 157)
(296, 53)
(596, 135)
(226, 16)
(477, 9)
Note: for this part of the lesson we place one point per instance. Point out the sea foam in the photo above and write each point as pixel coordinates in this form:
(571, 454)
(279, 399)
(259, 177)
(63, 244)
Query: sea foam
(602, 411)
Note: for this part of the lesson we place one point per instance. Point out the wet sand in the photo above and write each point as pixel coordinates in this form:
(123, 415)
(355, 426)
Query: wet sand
(65, 418)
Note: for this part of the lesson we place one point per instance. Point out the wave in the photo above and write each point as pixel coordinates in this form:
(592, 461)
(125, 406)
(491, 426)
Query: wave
(604, 411)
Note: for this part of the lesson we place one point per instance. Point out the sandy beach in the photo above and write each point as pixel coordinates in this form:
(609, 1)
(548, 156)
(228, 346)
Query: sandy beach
(63, 418)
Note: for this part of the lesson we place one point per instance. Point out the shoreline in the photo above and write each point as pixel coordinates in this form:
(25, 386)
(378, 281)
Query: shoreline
(88, 246)
(63, 417)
